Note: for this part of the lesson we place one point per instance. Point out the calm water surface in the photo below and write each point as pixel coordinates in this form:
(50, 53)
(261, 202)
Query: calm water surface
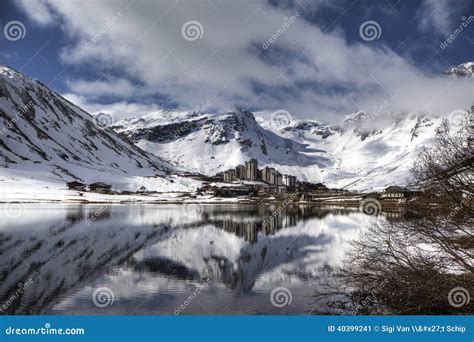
(169, 259)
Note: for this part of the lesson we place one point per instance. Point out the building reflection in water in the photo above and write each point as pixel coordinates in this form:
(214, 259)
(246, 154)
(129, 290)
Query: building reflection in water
(267, 220)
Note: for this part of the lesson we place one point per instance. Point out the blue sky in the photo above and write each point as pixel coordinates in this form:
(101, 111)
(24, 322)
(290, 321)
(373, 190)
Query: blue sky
(309, 58)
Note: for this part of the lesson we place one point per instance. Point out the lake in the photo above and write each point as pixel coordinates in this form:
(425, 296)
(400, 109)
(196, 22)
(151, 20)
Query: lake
(170, 259)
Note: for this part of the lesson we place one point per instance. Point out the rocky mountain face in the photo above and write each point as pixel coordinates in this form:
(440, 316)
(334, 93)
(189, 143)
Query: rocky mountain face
(43, 136)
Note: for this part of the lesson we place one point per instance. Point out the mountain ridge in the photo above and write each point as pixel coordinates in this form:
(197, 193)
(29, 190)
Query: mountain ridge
(462, 70)
(350, 155)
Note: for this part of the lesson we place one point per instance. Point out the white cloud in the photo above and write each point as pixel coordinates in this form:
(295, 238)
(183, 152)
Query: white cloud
(38, 11)
(311, 73)
(119, 110)
(108, 87)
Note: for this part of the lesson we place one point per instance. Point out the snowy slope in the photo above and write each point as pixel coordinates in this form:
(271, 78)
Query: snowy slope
(46, 140)
(364, 159)
(211, 143)
(352, 155)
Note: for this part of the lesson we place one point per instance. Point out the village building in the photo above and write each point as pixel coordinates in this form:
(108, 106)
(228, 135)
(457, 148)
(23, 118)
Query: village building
(208, 189)
(266, 174)
(229, 176)
(100, 187)
(398, 192)
(251, 170)
(372, 195)
(264, 190)
(273, 175)
(240, 172)
(289, 181)
(235, 191)
(218, 177)
(278, 179)
(75, 185)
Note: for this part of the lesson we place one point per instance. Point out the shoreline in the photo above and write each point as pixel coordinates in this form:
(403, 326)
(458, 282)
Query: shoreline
(345, 204)
(63, 196)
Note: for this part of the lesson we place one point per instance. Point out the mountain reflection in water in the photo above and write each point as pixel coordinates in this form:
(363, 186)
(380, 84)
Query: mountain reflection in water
(154, 257)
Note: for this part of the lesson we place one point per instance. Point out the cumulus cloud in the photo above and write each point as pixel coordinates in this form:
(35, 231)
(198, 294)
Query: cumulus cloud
(302, 69)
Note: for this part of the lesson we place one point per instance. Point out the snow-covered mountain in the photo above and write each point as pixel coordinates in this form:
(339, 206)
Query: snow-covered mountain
(464, 69)
(45, 139)
(365, 157)
(211, 143)
(352, 155)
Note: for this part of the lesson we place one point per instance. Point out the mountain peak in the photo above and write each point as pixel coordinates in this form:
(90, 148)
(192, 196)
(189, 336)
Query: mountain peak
(463, 70)
(242, 115)
(355, 119)
(9, 72)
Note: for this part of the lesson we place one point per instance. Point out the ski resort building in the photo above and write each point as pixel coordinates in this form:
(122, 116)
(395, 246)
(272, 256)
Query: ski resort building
(398, 192)
(250, 172)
